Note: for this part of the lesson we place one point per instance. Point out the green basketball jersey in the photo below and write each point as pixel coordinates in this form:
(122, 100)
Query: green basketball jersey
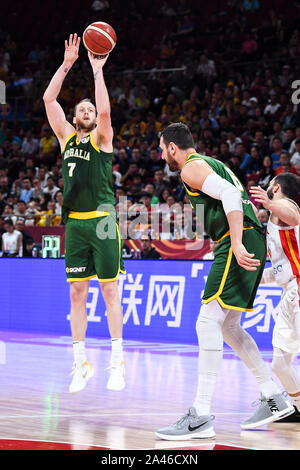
(87, 174)
(215, 220)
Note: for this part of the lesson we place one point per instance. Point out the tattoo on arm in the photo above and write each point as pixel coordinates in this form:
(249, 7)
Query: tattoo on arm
(66, 70)
(95, 74)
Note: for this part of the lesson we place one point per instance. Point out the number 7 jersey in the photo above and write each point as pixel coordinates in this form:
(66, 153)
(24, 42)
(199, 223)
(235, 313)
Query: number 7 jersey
(87, 174)
(215, 220)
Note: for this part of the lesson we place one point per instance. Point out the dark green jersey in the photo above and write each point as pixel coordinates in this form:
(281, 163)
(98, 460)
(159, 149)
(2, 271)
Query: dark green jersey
(215, 220)
(87, 174)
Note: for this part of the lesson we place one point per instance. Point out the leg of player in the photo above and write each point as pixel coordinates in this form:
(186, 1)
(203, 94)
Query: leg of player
(273, 403)
(197, 423)
(282, 367)
(82, 371)
(111, 297)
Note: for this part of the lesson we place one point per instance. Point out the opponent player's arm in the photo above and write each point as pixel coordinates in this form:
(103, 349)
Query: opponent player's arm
(199, 175)
(104, 130)
(55, 114)
(284, 209)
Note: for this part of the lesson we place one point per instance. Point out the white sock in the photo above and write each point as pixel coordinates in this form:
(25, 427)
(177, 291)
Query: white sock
(269, 388)
(79, 352)
(245, 347)
(116, 350)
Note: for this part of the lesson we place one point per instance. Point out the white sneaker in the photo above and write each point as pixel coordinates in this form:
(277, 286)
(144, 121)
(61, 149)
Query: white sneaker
(116, 381)
(81, 374)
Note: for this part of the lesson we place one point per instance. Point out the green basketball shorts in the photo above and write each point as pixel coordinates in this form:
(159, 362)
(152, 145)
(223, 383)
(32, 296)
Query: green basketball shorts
(93, 248)
(230, 284)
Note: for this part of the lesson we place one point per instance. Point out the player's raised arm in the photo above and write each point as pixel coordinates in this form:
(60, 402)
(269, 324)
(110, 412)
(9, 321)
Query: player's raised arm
(55, 114)
(199, 175)
(284, 209)
(103, 132)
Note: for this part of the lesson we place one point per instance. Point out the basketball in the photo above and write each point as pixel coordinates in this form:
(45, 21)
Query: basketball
(99, 38)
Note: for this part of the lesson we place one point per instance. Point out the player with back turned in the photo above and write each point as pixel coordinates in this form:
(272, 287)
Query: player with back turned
(89, 203)
(231, 287)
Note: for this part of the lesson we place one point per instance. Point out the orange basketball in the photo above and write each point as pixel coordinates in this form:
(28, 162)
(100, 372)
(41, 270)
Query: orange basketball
(99, 38)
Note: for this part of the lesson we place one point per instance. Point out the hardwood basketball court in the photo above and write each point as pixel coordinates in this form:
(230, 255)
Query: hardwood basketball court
(38, 412)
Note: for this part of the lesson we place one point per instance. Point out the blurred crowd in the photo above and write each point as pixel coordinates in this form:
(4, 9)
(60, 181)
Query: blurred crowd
(226, 72)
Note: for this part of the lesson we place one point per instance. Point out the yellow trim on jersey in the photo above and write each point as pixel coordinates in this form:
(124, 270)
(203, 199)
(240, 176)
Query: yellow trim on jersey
(198, 157)
(225, 274)
(68, 139)
(93, 143)
(87, 215)
(287, 234)
(217, 295)
(119, 269)
(228, 233)
(190, 192)
(71, 279)
(231, 307)
(187, 161)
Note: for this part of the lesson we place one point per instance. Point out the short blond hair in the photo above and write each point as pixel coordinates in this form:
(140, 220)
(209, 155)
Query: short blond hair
(85, 100)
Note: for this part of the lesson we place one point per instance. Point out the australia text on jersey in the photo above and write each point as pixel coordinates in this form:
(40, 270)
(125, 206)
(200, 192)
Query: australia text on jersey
(77, 153)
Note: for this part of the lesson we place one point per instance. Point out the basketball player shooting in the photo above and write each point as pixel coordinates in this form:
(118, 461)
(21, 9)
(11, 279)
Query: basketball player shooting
(87, 153)
(283, 249)
(231, 286)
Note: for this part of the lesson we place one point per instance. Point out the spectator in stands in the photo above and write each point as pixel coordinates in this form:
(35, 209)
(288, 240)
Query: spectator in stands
(277, 149)
(148, 250)
(51, 188)
(21, 209)
(273, 106)
(20, 226)
(292, 148)
(48, 147)
(285, 164)
(263, 216)
(59, 199)
(296, 155)
(261, 142)
(288, 117)
(30, 144)
(267, 173)
(37, 190)
(11, 240)
(27, 191)
(288, 139)
(232, 140)
(8, 213)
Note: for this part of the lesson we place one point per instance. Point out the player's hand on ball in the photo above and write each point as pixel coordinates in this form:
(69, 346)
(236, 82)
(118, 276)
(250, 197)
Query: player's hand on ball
(245, 259)
(72, 48)
(260, 195)
(97, 61)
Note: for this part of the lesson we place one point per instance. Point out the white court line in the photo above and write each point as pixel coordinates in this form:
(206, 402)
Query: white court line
(47, 415)
(58, 442)
(185, 444)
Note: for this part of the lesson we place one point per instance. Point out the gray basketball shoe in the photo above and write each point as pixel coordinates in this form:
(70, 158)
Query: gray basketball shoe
(269, 410)
(190, 426)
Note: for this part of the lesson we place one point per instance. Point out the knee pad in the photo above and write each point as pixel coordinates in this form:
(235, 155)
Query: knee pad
(209, 330)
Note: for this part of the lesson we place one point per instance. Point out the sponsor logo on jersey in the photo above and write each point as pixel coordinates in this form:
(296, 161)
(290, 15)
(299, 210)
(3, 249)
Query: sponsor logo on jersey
(80, 269)
(85, 140)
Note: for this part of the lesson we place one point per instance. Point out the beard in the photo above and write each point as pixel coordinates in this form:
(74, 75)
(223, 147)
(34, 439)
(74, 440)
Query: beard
(270, 193)
(173, 165)
(88, 126)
